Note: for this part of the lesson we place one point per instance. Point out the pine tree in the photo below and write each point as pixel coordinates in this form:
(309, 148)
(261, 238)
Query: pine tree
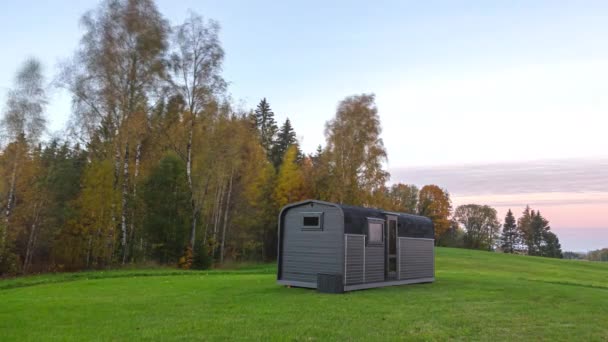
(267, 126)
(524, 227)
(510, 235)
(551, 246)
(285, 138)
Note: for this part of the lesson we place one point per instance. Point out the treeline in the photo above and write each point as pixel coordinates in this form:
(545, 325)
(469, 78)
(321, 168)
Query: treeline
(477, 227)
(157, 164)
(596, 255)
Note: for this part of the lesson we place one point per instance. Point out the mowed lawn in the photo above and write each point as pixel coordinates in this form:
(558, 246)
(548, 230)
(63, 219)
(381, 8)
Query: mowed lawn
(477, 296)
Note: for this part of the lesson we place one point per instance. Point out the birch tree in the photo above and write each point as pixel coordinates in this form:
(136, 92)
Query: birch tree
(118, 71)
(23, 122)
(195, 67)
(355, 151)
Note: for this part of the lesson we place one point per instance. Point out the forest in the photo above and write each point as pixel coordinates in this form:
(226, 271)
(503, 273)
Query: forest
(158, 165)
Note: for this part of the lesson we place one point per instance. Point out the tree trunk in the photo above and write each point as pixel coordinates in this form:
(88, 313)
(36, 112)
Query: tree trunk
(31, 240)
(218, 216)
(9, 207)
(135, 174)
(125, 193)
(193, 207)
(226, 217)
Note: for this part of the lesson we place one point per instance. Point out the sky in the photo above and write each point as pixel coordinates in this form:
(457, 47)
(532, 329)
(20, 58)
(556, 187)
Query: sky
(502, 103)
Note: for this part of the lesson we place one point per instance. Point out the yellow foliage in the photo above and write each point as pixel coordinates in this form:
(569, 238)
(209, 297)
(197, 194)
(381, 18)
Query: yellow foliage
(290, 186)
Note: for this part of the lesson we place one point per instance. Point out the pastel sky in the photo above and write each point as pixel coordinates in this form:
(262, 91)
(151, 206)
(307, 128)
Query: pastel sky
(503, 103)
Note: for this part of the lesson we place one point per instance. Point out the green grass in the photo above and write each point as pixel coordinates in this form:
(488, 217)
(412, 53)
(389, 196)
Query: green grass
(477, 296)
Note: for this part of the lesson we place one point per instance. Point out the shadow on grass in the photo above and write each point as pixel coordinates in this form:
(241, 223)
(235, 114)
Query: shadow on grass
(94, 275)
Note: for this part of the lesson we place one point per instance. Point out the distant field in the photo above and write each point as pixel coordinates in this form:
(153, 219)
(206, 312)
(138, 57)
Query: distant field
(477, 296)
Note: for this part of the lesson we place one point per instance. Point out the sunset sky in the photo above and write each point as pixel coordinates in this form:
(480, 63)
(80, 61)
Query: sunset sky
(503, 104)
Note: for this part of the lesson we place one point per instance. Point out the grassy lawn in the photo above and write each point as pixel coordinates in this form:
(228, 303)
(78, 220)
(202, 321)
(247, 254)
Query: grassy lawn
(477, 296)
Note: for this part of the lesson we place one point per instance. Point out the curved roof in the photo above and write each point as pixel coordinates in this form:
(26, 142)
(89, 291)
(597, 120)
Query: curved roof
(355, 219)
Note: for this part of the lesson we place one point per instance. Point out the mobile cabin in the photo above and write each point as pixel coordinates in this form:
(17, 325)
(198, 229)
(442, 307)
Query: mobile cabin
(336, 248)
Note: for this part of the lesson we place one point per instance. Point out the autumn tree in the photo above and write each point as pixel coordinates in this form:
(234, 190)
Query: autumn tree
(23, 122)
(115, 80)
(403, 198)
(196, 66)
(435, 203)
(480, 223)
(290, 185)
(510, 234)
(355, 152)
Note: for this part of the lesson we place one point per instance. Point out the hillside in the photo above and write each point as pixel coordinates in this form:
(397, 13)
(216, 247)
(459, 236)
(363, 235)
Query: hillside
(477, 296)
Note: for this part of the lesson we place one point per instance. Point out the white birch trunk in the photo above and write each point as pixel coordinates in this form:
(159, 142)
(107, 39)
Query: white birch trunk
(31, 243)
(9, 207)
(218, 216)
(135, 174)
(193, 207)
(226, 217)
(123, 216)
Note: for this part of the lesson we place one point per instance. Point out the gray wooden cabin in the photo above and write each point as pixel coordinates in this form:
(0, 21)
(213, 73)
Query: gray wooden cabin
(336, 248)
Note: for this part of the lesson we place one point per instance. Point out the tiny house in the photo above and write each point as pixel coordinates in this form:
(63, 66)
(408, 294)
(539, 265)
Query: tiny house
(336, 248)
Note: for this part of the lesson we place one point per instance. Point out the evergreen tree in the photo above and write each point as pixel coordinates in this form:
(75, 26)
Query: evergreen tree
(168, 219)
(551, 246)
(524, 227)
(510, 235)
(538, 228)
(267, 126)
(285, 138)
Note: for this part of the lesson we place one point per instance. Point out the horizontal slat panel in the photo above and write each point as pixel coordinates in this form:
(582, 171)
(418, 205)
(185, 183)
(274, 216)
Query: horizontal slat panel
(354, 259)
(416, 259)
(306, 253)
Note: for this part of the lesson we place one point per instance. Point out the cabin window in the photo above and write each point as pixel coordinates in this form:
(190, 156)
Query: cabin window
(312, 221)
(374, 231)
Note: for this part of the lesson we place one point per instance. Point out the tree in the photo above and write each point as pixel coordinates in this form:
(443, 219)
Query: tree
(355, 152)
(267, 126)
(166, 196)
(24, 122)
(551, 247)
(196, 66)
(510, 234)
(285, 138)
(290, 185)
(537, 235)
(435, 203)
(480, 223)
(403, 198)
(524, 225)
(115, 80)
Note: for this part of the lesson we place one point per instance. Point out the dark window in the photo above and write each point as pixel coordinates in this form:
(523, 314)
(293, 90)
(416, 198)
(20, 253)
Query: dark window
(312, 221)
(374, 231)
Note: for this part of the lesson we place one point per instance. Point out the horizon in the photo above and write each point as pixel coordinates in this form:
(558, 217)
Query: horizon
(501, 104)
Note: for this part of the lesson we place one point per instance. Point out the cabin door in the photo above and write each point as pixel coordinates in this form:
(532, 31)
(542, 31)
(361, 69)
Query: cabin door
(391, 248)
